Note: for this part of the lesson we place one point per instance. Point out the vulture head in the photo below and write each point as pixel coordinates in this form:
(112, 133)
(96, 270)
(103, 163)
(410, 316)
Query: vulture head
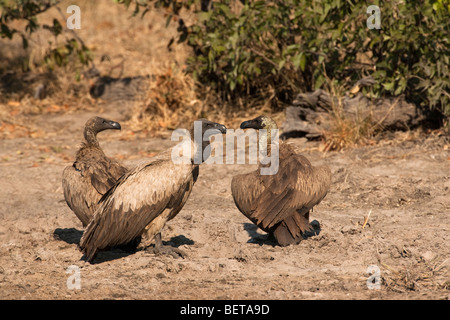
(267, 124)
(212, 126)
(201, 132)
(261, 122)
(97, 124)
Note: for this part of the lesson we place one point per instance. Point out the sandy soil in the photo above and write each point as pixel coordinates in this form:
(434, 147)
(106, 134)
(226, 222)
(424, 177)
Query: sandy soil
(403, 182)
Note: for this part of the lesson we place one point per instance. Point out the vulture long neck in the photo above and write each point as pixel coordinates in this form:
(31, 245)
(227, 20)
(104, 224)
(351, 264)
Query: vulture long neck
(265, 138)
(90, 135)
(198, 147)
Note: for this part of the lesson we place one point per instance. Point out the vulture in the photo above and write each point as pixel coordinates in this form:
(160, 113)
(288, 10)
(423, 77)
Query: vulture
(280, 203)
(149, 195)
(92, 174)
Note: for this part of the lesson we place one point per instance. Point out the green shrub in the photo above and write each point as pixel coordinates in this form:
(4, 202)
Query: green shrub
(278, 48)
(411, 52)
(28, 10)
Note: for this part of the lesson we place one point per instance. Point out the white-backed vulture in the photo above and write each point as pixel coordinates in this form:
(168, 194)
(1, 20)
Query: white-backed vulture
(280, 203)
(145, 198)
(92, 174)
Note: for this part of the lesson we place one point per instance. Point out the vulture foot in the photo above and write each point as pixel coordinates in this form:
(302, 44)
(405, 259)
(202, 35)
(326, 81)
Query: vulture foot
(160, 249)
(167, 250)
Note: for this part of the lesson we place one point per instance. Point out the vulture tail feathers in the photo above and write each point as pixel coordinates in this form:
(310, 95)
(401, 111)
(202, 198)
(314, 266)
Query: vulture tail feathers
(89, 251)
(291, 230)
(283, 236)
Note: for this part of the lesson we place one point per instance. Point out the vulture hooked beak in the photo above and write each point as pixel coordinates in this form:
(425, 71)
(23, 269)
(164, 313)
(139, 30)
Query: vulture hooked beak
(109, 124)
(251, 124)
(216, 128)
(221, 128)
(208, 128)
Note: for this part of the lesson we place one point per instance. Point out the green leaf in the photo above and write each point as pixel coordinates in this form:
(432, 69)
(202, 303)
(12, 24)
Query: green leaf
(388, 85)
(225, 9)
(299, 61)
(319, 82)
(204, 16)
(232, 84)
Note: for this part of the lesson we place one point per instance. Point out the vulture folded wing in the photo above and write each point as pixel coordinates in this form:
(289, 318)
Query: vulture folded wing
(285, 193)
(136, 199)
(86, 181)
(246, 189)
(105, 174)
(80, 196)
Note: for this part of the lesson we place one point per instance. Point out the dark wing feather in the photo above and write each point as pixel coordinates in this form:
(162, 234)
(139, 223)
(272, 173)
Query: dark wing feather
(280, 203)
(79, 195)
(286, 192)
(85, 182)
(104, 174)
(246, 189)
(137, 198)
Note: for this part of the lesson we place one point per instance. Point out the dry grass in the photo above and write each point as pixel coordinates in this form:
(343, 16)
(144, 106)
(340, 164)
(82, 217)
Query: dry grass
(125, 46)
(347, 132)
(174, 100)
(170, 102)
(121, 46)
(431, 274)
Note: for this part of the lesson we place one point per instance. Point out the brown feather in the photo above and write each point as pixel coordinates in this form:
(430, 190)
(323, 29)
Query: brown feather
(136, 200)
(280, 203)
(90, 177)
(142, 200)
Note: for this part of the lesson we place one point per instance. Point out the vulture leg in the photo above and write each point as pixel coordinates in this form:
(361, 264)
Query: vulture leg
(160, 248)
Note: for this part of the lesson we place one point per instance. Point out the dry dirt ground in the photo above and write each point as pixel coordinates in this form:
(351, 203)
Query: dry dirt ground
(403, 182)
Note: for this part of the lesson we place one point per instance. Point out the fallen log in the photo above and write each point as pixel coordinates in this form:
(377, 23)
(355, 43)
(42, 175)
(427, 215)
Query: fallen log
(312, 113)
(112, 89)
(119, 89)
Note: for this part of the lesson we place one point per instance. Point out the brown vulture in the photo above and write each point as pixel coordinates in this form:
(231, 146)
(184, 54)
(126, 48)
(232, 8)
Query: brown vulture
(148, 196)
(92, 174)
(280, 203)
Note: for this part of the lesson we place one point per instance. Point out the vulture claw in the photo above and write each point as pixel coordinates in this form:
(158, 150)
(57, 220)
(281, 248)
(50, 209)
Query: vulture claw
(160, 249)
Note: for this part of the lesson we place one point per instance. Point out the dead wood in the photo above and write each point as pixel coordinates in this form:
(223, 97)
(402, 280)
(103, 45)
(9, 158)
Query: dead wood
(312, 113)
